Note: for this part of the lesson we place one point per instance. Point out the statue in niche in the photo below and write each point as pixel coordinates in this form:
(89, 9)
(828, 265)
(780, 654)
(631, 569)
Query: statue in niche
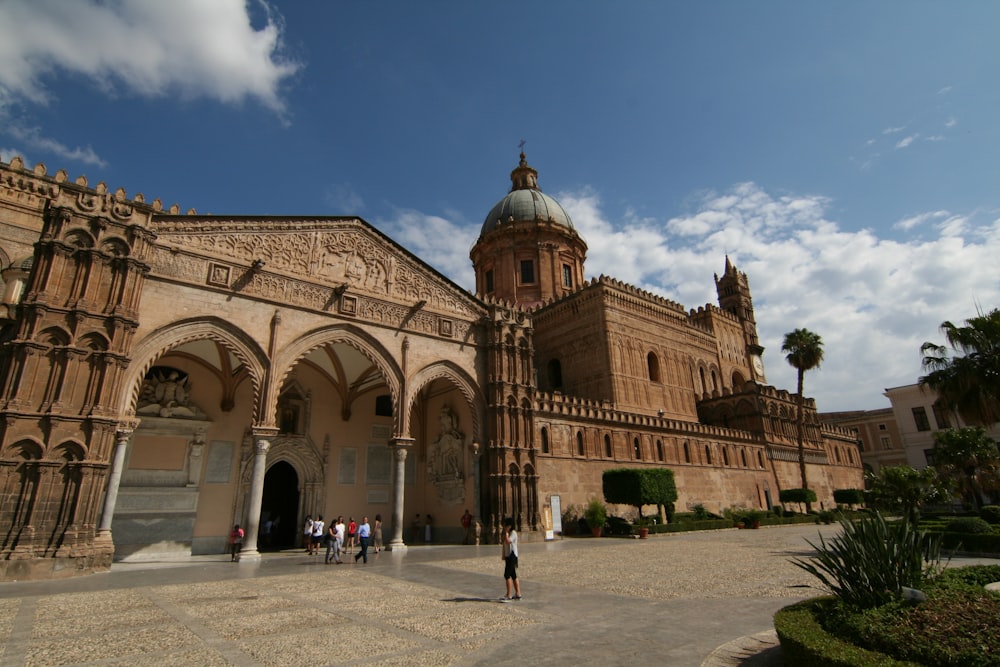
(446, 460)
(165, 393)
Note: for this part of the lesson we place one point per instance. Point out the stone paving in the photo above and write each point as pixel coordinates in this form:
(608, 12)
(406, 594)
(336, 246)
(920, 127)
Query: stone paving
(683, 599)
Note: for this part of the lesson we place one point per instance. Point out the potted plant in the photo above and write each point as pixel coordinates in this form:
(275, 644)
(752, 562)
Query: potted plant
(595, 515)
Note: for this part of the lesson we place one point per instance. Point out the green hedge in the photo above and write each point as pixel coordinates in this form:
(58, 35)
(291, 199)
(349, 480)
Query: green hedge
(986, 543)
(805, 642)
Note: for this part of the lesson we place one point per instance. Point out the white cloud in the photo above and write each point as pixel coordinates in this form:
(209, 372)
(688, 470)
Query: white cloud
(893, 130)
(874, 301)
(945, 90)
(951, 122)
(188, 47)
(440, 242)
(906, 224)
(33, 137)
(906, 141)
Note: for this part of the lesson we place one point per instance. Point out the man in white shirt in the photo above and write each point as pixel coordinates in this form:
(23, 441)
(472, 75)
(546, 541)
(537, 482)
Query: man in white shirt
(364, 533)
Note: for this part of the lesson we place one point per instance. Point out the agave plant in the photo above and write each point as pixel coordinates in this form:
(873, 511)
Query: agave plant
(872, 560)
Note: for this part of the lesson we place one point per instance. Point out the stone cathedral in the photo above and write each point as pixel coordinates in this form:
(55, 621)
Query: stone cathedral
(166, 375)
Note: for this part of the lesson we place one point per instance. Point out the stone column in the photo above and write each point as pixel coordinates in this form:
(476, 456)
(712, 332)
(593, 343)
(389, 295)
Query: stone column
(122, 436)
(252, 519)
(399, 448)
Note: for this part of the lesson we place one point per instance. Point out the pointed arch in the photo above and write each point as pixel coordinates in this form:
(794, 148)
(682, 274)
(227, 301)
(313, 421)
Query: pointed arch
(173, 335)
(347, 334)
(448, 370)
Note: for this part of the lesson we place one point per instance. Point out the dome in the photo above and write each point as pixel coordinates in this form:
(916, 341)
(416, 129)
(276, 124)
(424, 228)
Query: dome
(525, 202)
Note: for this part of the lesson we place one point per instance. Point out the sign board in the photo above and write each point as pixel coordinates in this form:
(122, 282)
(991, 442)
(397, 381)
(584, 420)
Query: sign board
(555, 502)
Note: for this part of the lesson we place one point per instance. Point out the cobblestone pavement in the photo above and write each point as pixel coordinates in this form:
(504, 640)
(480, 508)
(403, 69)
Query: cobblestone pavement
(668, 600)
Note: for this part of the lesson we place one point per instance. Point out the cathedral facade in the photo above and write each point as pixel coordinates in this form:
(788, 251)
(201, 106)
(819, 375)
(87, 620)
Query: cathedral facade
(166, 376)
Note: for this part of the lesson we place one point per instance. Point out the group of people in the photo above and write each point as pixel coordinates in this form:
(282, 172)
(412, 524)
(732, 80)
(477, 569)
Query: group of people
(340, 537)
(315, 532)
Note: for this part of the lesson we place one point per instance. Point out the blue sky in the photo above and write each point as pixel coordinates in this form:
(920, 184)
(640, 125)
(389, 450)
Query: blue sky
(843, 154)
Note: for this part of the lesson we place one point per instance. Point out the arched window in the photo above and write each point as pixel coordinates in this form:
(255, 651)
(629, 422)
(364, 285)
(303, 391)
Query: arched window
(708, 455)
(836, 452)
(659, 450)
(545, 440)
(743, 457)
(760, 458)
(653, 364)
(687, 453)
(636, 449)
(579, 443)
(725, 456)
(555, 374)
(607, 446)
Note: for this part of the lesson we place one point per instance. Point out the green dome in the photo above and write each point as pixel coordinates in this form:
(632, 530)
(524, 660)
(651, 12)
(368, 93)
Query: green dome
(525, 202)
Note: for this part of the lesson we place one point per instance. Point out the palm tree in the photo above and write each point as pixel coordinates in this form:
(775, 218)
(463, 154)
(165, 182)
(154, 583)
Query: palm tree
(968, 384)
(805, 352)
(968, 457)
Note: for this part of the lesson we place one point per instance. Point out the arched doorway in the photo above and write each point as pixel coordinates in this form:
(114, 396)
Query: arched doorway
(280, 505)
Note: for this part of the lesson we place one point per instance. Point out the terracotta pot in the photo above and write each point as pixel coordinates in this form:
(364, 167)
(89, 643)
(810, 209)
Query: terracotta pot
(643, 533)
(596, 531)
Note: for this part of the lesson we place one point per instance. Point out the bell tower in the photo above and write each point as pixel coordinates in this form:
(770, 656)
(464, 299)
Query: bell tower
(528, 252)
(733, 289)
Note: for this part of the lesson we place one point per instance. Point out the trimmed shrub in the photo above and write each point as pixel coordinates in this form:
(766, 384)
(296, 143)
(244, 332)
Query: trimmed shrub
(990, 514)
(805, 642)
(849, 496)
(797, 496)
(971, 525)
(639, 486)
(983, 543)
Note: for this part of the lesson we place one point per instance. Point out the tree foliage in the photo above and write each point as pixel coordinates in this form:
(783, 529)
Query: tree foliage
(969, 458)
(907, 490)
(804, 352)
(639, 486)
(966, 371)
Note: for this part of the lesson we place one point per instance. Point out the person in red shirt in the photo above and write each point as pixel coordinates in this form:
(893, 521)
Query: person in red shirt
(235, 543)
(352, 533)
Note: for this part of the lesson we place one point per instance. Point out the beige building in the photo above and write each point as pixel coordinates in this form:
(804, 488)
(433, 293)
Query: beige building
(166, 376)
(879, 438)
(919, 415)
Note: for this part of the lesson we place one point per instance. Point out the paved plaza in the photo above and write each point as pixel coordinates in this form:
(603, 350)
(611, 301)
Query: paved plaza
(669, 600)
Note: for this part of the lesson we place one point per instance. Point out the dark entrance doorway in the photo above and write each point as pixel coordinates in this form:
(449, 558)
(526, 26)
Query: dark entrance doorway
(280, 506)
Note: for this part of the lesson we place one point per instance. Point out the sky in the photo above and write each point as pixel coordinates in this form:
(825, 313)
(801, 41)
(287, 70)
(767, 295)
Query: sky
(844, 155)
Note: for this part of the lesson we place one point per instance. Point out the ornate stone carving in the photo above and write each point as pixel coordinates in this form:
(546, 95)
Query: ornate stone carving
(446, 459)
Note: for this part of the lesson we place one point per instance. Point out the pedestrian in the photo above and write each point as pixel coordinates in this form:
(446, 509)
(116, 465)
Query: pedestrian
(377, 533)
(364, 533)
(427, 528)
(317, 534)
(467, 527)
(416, 529)
(510, 560)
(352, 534)
(331, 543)
(265, 534)
(235, 543)
(307, 532)
(339, 530)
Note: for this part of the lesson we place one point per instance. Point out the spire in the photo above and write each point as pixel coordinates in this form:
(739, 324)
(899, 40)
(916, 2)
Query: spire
(524, 177)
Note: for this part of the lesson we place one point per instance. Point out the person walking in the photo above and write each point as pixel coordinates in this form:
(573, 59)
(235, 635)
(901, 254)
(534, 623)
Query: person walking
(307, 531)
(467, 527)
(427, 528)
(339, 529)
(364, 533)
(317, 534)
(510, 560)
(352, 534)
(331, 543)
(415, 526)
(377, 533)
(235, 543)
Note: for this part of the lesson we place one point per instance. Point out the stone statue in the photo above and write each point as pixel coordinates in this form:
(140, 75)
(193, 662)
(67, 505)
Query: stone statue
(166, 394)
(446, 462)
